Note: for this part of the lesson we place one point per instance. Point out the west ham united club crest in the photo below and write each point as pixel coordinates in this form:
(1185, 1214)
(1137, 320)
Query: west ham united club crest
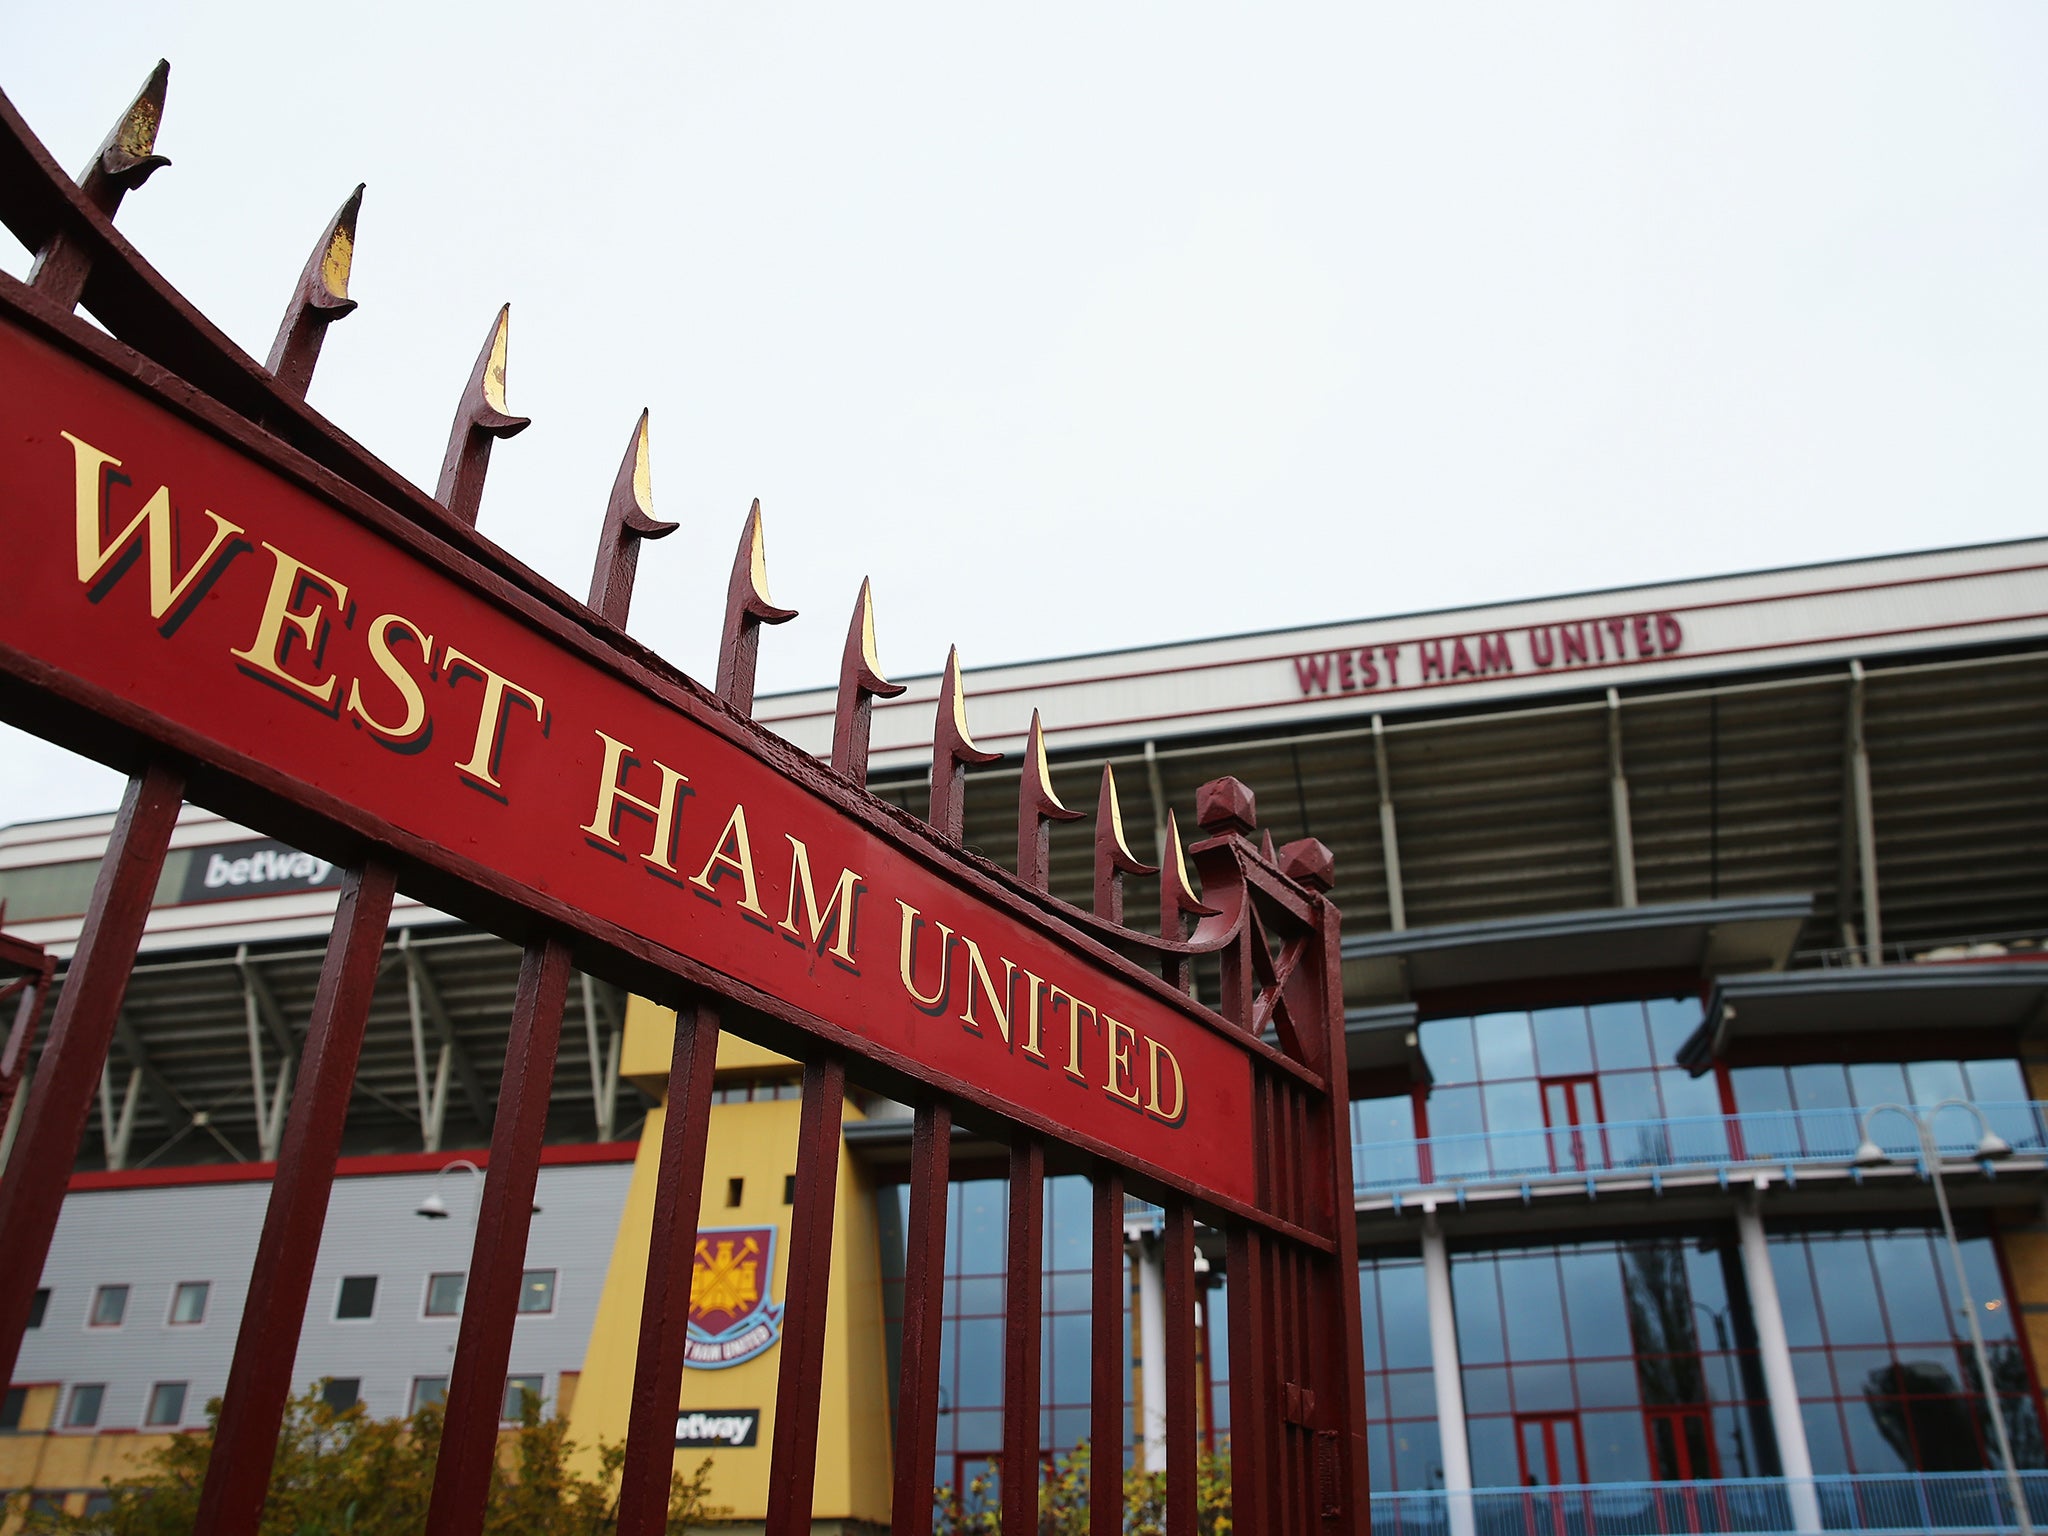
(731, 1317)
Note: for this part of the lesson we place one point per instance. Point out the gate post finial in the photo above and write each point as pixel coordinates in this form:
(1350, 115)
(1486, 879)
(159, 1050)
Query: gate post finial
(747, 608)
(952, 750)
(1037, 805)
(628, 518)
(1310, 862)
(1226, 805)
(480, 417)
(1113, 856)
(320, 299)
(126, 158)
(860, 684)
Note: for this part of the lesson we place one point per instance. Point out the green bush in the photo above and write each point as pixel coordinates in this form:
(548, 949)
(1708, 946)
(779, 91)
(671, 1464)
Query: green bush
(347, 1474)
(1064, 1500)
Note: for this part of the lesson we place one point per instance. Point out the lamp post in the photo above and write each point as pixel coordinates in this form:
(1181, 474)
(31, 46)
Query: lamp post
(1990, 1145)
(434, 1208)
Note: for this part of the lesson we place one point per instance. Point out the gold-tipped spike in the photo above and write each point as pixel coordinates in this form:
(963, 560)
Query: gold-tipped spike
(1177, 903)
(126, 158)
(952, 750)
(1113, 856)
(747, 608)
(480, 418)
(860, 683)
(1037, 806)
(628, 518)
(320, 299)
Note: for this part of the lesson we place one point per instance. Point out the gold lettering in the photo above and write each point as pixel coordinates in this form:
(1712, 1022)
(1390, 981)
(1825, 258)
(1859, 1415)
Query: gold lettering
(1030, 1042)
(740, 861)
(157, 525)
(1153, 1051)
(379, 637)
(979, 980)
(501, 695)
(842, 911)
(1121, 1038)
(288, 588)
(1075, 1008)
(604, 821)
(912, 922)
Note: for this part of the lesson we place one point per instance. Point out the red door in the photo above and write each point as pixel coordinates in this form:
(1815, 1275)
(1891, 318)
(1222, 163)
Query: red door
(1550, 1448)
(1681, 1445)
(1571, 1111)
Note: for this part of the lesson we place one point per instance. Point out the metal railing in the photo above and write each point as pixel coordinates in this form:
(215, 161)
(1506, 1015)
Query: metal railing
(1695, 1142)
(1874, 1504)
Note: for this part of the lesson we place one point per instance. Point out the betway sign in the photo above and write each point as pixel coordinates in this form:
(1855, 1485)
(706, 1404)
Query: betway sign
(302, 639)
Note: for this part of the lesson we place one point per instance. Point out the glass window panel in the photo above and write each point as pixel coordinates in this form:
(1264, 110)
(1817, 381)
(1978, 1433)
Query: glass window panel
(1626, 1096)
(1621, 1036)
(1533, 1306)
(38, 1305)
(1811, 1374)
(1879, 1440)
(977, 1430)
(1505, 1047)
(1848, 1290)
(109, 1306)
(1514, 1107)
(2024, 1430)
(1824, 1442)
(1404, 1315)
(1369, 1313)
(1657, 1311)
(1863, 1372)
(1987, 1285)
(1878, 1082)
(357, 1297)
(1070, 1291)
(1475, 1295)
(1819, 1087)
(1543, 1388)
(1760, 1088)
(341, 1393)
(1486, 1389)
(1390, 1118)
(1494, 1462)
(1997, 1082)
(444, 1295)
(428, 1392)
(979, 1298)
(1686, 1095)
(166, 1404)
(1672, 1022)
(984, 1213)
(1933, 1081)
(1067, 1336)
(981, 1363)
(1795, 1290)
(1418, 1454)
(84, 1409)
(1563, 1044)
(1913, 1298)
(537, 1291)
(1411, 1394)
(1455, 1124)
(1069, 1209)
(1607, 1383)
(188, 1302)
(517, 1390)
(1446, 1046)
(1615, 1448)
(1070, 1427)
(1735, 1442)
(1594, 1304)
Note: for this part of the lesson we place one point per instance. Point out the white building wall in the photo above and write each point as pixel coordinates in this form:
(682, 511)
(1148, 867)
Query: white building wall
(152, 1238)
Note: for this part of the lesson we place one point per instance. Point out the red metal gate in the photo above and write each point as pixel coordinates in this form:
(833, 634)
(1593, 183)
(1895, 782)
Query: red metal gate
(210, 587)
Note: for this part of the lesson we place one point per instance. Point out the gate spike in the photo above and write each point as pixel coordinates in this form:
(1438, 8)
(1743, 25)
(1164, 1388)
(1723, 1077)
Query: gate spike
(478, 419)
(126, 158)
(1113, 856)
(860, 684)
(1037, 805)
(747, 608)
(628, 519)
(1266, 848)
(320, 299)
(1177, 903)
(952, 750)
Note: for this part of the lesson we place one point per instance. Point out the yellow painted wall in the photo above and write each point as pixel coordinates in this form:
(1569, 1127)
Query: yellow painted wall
(38, 1459)
(756, 1143)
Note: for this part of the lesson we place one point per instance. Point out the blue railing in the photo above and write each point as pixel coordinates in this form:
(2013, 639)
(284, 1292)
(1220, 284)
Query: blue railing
(1878, 1505)
(1691, 1142)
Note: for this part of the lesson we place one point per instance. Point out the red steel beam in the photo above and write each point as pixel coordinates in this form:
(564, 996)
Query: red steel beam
(1179, 1262)
(476, 1390)
(924, 1277)
(671, 1267)
(1108, 1370)
(1023, 1306)
(32, 1189)
(793, 1461)
(260, 1381)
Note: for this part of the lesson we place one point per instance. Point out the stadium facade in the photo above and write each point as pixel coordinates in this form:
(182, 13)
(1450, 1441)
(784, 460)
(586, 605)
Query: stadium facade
(1672, 916)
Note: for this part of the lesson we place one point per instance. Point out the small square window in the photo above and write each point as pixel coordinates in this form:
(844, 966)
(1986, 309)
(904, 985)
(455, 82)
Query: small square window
(537, 1291)
(188, 1302)
(84, 1409)
(109, 1306)
(358, 1297)
(341, 1393)
(38, 1307)
(734, 1189)
(789, 1189)
(517, 1390)
(428, 1392)
(444, 1295)
(100, 1503)
(11, 1407)
(166, 1404)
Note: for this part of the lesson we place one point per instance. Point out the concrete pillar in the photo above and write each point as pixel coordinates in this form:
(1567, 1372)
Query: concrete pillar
(1453, 1445)
(1617, 800)
(1390, 844)
(1774, 1352)
(1152, 1351)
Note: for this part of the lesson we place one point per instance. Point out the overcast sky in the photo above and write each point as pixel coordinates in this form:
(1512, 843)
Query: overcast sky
(1087, 326)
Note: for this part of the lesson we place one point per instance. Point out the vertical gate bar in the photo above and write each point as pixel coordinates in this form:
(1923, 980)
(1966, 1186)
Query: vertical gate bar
(1180, 1366)
(793, 1461)
(924, 1278)
(1251, 1397)
(260, 1380)
(476, 1387)
(1347, 1362)
(1023, 1310)
(39, 1168)
(671, 1265)
(1108, 1366)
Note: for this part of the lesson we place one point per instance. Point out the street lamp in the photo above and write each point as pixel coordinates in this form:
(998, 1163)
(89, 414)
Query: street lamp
(434, 1208)
(1990, 1145)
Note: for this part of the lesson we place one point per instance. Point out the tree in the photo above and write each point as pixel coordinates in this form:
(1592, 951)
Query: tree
(1065, 1494)
(347, 1474)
